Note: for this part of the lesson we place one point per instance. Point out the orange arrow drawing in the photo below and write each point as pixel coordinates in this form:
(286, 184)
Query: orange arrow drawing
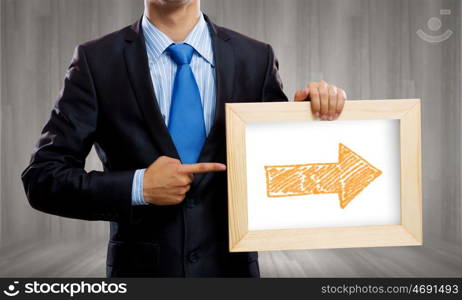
(348, 177)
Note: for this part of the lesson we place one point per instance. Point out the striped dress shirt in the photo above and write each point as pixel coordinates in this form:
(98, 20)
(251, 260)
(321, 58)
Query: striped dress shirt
(163, 70)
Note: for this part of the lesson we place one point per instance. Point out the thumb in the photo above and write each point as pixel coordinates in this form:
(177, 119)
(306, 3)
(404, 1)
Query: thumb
(168, 159)
(301, 95)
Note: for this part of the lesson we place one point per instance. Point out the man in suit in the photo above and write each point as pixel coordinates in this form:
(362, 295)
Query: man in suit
(150, 98)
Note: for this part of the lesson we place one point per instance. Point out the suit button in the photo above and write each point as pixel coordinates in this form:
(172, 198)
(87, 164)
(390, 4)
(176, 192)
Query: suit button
(193, 257)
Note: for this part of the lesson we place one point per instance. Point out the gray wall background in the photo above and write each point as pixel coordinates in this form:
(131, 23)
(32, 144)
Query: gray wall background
(369, 47)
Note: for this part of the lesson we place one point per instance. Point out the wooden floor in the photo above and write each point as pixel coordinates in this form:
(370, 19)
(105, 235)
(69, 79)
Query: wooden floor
(392, 262)
(55, 259)
(87, 259)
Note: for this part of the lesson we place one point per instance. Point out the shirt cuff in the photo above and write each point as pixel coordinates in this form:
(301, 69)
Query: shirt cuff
(137, 188)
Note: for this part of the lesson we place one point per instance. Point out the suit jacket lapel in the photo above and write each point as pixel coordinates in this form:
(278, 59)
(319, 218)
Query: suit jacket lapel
(224, 75)
(138, 71)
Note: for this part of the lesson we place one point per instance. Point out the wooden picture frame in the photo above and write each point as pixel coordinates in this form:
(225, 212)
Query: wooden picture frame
(408, 233)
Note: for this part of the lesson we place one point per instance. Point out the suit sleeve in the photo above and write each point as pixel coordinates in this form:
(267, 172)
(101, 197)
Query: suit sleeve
(55, 180)
(272, 87)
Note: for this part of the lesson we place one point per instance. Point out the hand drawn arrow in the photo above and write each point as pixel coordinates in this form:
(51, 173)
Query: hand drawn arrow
(347, 177)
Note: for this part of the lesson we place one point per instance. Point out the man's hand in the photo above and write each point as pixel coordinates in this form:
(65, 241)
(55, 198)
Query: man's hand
(327, 100)
(166, 181)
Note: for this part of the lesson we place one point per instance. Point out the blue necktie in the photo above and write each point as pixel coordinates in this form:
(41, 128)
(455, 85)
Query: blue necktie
(186, 118)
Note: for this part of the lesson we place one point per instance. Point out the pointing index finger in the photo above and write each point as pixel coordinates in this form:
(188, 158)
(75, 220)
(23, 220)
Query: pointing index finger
(202, 168)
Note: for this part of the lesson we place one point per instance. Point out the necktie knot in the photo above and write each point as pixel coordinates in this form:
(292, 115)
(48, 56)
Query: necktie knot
(181, 53)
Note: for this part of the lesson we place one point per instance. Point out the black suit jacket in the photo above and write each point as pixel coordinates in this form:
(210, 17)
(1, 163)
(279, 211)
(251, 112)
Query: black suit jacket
(108, 101)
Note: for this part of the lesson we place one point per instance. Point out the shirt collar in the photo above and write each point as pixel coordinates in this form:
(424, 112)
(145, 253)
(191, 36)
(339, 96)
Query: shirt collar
(199, 38)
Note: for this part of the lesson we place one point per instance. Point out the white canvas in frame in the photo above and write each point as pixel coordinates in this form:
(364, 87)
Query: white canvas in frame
(295, 182)
(291, 143)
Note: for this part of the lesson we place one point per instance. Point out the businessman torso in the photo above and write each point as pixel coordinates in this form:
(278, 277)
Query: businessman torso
(108, 101)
